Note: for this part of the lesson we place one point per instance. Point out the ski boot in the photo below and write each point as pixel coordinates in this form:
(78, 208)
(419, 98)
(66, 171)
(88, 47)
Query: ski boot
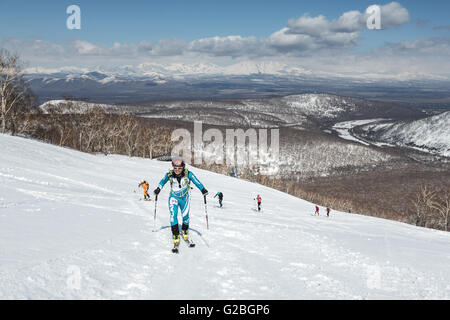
(185, 235)
(176, 243)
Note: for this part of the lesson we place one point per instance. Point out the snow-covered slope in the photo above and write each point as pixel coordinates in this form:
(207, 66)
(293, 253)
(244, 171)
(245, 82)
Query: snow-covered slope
(290, 110)
(431, 134)
(71, 226)
(320, 105)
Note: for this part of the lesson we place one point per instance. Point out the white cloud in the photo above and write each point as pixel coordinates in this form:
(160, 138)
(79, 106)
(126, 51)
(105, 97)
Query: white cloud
(312, 26)
(33, 48)
(428, 47)
(349, 22)
(87, 48)
(282, 40)
(317, 33)
(393, 15)
(162, 48)
(233, 46)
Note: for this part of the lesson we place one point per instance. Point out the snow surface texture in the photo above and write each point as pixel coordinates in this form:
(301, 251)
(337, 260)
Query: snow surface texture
(72, 227)
(431, 134)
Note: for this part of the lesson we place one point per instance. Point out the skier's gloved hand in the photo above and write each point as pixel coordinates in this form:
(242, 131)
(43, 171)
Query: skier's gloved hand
(157, 191)
(204, 191)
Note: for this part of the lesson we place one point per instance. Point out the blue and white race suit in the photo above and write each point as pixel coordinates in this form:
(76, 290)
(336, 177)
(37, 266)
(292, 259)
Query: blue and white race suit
(179, 194)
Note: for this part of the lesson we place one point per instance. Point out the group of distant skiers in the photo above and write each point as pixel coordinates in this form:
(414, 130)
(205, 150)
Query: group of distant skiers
(317, 211)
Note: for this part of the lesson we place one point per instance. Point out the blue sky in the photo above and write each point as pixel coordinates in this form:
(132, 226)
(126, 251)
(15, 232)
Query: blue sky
(132, 22)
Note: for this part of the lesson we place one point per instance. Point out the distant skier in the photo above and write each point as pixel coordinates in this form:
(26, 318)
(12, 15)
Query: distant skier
(180, 179)
(220, 195)
(258, 200)
(328, 211)
(317, 211)
(144, 184)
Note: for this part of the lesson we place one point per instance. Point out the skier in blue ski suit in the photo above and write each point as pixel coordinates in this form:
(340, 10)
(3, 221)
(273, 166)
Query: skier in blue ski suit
(180, 179)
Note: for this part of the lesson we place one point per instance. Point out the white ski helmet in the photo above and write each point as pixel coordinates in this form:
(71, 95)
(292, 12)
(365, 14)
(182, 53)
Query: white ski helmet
(178, 162)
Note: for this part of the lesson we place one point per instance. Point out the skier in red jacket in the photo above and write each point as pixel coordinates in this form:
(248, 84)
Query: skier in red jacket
(259, 200)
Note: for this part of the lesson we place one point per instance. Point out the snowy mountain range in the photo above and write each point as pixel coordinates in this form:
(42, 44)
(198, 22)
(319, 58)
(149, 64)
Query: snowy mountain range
(175, 70)
(243, 68)
(151, 81)
(247, 79)
(72, 227)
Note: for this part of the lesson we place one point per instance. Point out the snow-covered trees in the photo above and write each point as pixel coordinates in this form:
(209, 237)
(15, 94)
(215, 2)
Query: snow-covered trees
(98, 130)
(432, 207)
(14, 95)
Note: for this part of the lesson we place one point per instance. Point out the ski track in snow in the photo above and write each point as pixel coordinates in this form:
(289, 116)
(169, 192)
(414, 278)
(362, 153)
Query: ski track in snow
(61, 210)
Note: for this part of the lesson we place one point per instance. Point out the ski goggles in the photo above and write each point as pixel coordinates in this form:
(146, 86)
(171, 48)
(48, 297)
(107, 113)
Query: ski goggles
(177, 168)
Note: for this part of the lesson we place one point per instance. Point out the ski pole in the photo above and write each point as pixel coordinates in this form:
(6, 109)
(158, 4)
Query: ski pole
(154, 214)
(206, 212)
